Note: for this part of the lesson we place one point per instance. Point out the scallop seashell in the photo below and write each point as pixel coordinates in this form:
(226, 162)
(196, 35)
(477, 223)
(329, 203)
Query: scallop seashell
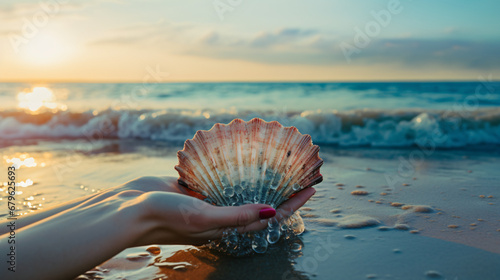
(250, 162)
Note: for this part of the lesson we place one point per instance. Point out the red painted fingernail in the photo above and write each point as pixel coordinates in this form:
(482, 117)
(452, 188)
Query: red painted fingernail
(267, 213)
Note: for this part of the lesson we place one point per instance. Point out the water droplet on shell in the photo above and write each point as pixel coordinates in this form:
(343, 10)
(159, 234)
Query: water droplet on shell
(273, 236)
(238, 189)
(228, 192)
(259, 245)
(273, 224)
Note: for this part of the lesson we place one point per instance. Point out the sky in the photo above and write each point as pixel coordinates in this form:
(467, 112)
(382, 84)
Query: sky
(241, 40)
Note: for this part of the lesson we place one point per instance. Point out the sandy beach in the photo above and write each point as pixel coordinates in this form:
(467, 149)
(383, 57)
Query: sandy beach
(439, 218)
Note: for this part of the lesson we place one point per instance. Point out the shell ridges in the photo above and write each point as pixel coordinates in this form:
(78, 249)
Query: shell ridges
(249, 162)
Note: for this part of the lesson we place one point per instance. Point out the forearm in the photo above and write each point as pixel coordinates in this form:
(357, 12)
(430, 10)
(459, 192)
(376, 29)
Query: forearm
(34, 217)
(39, 215)
(67, 244)
(144, 184)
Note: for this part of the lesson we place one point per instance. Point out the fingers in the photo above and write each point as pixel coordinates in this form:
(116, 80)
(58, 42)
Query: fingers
(240, 216)
(287, 208)
(189, 219)
(255, 226)
(254, 217)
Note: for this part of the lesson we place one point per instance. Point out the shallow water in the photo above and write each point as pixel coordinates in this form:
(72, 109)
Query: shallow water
(452, 182)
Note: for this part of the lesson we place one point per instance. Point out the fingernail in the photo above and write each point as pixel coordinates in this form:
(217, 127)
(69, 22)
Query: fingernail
(267, 213)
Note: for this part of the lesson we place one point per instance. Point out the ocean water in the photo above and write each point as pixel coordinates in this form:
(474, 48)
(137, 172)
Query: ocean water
(382, 114)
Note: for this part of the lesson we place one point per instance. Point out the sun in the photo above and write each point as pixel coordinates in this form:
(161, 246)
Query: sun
(45, 49)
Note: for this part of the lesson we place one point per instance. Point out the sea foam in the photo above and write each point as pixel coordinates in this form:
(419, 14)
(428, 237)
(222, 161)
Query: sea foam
(368, 127)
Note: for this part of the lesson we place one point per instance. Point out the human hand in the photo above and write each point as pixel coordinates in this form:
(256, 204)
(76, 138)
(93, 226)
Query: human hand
(173, 217)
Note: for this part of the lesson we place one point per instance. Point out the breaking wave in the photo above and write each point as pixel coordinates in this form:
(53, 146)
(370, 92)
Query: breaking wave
(368, 127)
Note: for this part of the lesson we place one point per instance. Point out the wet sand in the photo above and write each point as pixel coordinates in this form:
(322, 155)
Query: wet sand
(458, 192)
(379, 214)
(364, 254)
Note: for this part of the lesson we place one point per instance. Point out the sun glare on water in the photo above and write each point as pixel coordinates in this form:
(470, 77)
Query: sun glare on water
(39, 98)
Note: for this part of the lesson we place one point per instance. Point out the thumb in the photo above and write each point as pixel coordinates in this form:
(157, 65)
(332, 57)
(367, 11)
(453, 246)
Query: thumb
(240, 216)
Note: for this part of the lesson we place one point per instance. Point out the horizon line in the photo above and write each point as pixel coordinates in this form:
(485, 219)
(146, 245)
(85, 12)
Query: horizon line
(238, 81)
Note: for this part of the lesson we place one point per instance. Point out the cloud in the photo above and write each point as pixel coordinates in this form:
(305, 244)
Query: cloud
(430, 52)
(292, 46)
(15, 12)
(306, 46)
(156, 34)
(282, 46)
(281, 37)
